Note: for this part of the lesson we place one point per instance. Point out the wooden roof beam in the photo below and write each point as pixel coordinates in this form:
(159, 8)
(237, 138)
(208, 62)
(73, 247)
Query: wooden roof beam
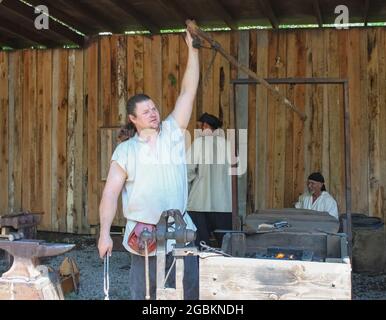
(57, 13)
(137, 15)
(26, 33)
(94, 16)
(14, 41)
(181, 11)
(318, 13)
(223, 13)
(269, 13)
(28, 13)
(366, 11)
(170, 7)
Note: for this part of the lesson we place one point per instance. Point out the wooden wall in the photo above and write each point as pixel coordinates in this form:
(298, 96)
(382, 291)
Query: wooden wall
(55, 106)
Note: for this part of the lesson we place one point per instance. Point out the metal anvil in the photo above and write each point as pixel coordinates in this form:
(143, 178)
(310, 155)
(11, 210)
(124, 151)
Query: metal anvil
(26, 279)
(26, 254)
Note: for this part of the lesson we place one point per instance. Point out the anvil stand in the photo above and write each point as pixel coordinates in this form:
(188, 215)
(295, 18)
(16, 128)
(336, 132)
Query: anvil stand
(26, 279)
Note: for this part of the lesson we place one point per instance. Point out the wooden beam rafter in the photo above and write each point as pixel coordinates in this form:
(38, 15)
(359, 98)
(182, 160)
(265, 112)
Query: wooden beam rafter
(10, 39)
(20, 9)
(220, 10)
(25, 33)
(366, 12)
(94, 16)
(267, 10)
(171, 8)
(180, 9)
(137, 15)
(318, 13)
(58, 13)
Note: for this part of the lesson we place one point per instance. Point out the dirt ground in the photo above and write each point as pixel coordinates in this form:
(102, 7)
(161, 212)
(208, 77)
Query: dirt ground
(365, 287)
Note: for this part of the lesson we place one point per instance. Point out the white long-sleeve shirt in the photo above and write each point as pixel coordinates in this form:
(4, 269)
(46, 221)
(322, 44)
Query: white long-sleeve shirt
(325, 202)
(209, 174)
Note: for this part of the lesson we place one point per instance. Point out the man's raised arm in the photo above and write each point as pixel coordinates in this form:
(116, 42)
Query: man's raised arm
(184, 105)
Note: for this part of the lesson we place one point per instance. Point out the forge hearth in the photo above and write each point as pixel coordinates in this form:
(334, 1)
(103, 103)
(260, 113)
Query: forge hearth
(285, 254)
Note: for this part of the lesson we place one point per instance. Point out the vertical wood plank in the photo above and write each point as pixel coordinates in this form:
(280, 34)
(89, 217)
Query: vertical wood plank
(122, 79)
(170, 73)
(85, 227)
(118, 93)
(59, 140)
(251, 171)
(216, 79)
(71, 144)
(15, 131)
(135, 65)
(234, 44)
(308, 108)
(262, 120)
(291, 69)
(271, 125)
(114, 111)
(364, 123)
(207, 76)
(317, 103)
(45, 119)
(118, 79)
(74, 141)
(278, 67)
(325, 108)
(37, 185)
(11, 83)
(34, 145)
(358, 155)
(4, 123)
(152, 70)
(105, 81)
(242, 122)
(374, 124)
(26, 160)
(298, 124)
(223, 69)
(92, 68)
(382, 121)
(337, 183)
(335, 112)
(54, 140)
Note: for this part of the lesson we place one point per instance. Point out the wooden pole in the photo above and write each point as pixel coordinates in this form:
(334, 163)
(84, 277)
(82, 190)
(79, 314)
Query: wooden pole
(196, 31)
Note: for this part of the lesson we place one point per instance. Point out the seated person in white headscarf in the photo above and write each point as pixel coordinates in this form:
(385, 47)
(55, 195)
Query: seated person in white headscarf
(317, 198)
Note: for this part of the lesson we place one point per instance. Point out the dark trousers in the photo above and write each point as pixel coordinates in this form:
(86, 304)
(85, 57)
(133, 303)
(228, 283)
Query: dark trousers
(137, 277)
(207, 222)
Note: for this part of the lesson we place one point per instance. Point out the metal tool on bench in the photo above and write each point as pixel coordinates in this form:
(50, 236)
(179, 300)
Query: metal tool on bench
(19, 225)
(273, 226)
(162, 234)
(26, 279)
(262, 228)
